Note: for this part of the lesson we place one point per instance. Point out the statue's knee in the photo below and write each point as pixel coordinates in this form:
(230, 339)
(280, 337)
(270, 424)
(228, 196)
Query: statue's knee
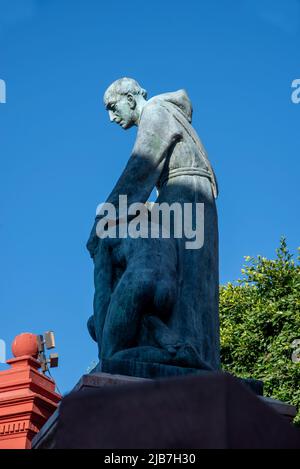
(145, 287)
(91, 328)
(164, 298)
(154, 294)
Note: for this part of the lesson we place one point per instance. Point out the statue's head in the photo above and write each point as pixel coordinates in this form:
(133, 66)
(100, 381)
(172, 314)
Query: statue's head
(124, 99)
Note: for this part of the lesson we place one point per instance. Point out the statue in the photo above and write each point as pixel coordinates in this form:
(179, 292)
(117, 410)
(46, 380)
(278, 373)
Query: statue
(156, 302)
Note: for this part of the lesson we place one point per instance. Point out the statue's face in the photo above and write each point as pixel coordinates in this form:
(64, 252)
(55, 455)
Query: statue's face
(121, 111)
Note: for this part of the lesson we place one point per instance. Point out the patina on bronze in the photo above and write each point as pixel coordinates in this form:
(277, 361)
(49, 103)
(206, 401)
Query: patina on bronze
(156, 302)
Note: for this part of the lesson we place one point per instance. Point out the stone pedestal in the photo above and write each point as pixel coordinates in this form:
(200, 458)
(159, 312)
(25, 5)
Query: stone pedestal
(146, 370)
(45, 439)
(208, 398)
(99, 380)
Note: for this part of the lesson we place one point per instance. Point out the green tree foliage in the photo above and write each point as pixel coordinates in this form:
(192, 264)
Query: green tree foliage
(260, 319)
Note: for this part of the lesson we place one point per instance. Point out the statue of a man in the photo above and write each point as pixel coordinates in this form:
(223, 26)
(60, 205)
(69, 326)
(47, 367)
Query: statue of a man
(169, 155)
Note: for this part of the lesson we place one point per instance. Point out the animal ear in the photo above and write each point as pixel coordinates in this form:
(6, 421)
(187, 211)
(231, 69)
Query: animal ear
(131, 101)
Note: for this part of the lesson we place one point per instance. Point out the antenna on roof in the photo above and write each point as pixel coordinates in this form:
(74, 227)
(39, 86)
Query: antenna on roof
(47, 340)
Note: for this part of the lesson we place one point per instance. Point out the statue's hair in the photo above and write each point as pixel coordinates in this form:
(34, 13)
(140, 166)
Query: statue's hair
(123, 86)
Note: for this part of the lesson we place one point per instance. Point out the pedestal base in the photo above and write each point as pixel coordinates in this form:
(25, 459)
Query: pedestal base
(147, 370)
(212, 410)
(104, 409)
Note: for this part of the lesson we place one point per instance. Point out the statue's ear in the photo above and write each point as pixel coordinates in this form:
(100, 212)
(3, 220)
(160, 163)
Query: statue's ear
(131, 101)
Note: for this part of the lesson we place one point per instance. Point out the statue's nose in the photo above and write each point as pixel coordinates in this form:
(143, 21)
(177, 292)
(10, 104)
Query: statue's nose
(111, 116)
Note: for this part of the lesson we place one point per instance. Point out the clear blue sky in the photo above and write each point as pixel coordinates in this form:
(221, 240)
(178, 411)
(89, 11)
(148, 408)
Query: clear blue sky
(60, 156)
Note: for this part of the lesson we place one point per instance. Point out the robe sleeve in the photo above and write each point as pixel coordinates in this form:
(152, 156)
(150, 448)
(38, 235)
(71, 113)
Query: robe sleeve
(157, 133)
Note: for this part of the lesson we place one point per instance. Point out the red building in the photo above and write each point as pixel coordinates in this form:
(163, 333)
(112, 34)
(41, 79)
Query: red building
(27, 396)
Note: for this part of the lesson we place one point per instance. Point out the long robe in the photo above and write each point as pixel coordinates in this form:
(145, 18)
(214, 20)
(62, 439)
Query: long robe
(169, 155)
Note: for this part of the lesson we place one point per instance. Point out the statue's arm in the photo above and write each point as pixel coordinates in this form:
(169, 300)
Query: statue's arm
(156, 135)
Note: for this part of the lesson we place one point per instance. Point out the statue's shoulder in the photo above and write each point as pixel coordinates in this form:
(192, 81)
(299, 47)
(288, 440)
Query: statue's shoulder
(170, 103)
(153, 105)
(153, 114)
